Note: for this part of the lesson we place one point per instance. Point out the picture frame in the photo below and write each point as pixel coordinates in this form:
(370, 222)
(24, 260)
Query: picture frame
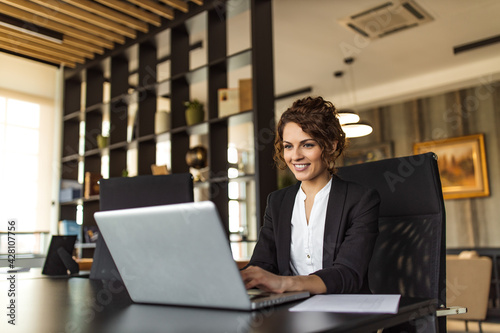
(462, 165)
(369, 153)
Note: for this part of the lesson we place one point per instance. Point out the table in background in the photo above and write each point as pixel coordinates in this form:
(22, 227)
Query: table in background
(81, 305)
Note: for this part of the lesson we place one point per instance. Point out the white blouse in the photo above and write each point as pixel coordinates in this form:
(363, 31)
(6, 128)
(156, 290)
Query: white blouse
(306, 248)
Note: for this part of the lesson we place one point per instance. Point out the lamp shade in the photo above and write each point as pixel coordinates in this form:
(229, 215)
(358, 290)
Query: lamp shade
(355, 130)
(347, 116)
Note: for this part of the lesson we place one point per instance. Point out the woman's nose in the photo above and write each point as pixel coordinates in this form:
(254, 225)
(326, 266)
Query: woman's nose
(296, 154)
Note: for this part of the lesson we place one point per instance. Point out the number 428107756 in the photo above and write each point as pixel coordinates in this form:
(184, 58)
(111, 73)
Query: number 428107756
(11, 242)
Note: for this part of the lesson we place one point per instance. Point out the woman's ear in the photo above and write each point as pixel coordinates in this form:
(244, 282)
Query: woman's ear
(335, 145)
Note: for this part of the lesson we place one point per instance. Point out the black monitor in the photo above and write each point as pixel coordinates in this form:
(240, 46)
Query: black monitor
(134, 192)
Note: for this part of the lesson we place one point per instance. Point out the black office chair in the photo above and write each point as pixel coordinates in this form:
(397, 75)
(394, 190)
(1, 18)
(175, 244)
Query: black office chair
(410, 252)
(134, 192)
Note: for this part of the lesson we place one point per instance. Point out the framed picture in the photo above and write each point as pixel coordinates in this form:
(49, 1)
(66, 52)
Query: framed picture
(462, 165)
(369, 153)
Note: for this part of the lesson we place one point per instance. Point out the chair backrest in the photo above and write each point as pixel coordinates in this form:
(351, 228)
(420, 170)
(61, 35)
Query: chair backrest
(468, 284)
(134, 192)
(409, 255)
(494, 254)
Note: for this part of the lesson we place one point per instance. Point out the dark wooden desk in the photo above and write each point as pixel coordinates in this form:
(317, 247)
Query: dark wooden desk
(77, 305)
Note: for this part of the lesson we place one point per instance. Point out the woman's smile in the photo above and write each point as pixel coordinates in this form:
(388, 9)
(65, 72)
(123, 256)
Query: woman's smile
(300, 167)
(303, 155)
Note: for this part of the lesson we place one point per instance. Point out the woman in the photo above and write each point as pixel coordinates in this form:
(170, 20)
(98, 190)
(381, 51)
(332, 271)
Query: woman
(317, 235)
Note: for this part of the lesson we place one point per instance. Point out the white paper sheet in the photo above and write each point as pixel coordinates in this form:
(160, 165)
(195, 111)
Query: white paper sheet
(350, 304)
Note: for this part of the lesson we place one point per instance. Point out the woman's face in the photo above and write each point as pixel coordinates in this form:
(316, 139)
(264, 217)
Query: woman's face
(302, 154)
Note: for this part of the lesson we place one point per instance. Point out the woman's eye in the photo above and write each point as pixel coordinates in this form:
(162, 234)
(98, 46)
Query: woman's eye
(308, 145)
(287, 146)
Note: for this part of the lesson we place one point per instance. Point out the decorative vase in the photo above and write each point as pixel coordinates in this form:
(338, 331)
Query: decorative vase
(102, 141)
(196, 157)
(162, 122)
(194, 115)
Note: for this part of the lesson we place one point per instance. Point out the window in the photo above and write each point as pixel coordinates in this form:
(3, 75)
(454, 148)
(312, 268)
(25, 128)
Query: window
(26, 147)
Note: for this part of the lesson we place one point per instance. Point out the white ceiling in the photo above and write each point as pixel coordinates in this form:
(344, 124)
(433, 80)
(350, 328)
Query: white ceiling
(310, 46)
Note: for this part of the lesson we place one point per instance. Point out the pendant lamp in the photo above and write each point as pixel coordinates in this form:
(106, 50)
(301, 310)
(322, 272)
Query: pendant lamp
(347, 116)
(349, 119)
(356, 130)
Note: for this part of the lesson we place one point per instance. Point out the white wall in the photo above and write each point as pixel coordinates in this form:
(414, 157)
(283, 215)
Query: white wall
(27, 76)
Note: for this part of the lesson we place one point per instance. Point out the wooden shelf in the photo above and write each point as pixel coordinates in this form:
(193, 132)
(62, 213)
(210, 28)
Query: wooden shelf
(70, 158)
(119, 145)
(80, 201)
(77, 115)
(93, 152)
(149, 137)
(95, 108)
(122, 90)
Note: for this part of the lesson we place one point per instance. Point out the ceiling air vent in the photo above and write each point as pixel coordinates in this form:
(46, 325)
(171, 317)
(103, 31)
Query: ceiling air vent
(387, 18)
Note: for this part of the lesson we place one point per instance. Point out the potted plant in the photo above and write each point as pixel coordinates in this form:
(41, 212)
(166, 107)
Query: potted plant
(162, 121)
(194, 112)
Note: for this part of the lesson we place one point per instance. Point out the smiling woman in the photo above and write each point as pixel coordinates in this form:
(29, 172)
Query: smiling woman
(318, 235)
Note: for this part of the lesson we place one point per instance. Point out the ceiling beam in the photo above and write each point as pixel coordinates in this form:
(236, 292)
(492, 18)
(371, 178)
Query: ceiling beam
(42, 49)
(155, 7)
(82, 44)
(50, 24)
(25, 37)
(109, 13)
(153, 31)
(31, 28)
(132, 10)
(57, 16)
(177, 4)
(88, 17)
(27, 52)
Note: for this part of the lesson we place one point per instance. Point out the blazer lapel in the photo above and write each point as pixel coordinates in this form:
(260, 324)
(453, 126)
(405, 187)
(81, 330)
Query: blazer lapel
(334, 213)
(285, 230)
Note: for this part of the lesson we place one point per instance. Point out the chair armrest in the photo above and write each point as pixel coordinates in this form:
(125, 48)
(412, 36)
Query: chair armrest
(452, 310)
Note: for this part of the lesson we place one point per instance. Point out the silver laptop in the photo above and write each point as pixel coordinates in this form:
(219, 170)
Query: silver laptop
(179, 255)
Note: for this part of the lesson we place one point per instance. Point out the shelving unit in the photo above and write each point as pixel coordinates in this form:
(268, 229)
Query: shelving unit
(121, 91)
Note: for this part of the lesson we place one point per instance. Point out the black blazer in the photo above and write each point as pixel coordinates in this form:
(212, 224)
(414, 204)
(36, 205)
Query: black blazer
(351, 229)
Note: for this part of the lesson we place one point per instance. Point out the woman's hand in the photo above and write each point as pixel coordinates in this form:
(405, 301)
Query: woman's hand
(256, 277)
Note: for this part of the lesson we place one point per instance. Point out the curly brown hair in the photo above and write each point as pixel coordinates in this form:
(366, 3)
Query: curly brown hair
(319, 119)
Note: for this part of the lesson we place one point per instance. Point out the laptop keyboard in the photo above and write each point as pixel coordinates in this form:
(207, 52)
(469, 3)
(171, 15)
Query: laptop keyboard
(256, 294)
